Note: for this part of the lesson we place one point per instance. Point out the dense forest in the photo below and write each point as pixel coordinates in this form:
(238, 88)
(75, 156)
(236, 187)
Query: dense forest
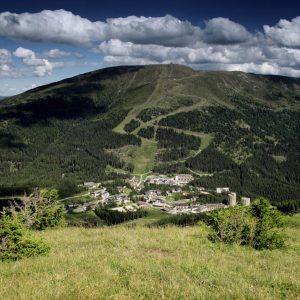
(66, 132)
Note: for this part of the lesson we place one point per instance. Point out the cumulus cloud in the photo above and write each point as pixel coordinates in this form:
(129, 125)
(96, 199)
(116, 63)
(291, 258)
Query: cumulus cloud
(58, 26)
(41, 66)
(62, 26)
(6, 67)
(161, 54)
(219, 44)
(166, 30)
(286, 33)
(5, 56)
(224, 31)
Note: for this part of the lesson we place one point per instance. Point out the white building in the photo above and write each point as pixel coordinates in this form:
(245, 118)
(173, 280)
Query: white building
(91, 185)
(245, 201)
(232, 199)
(221, 190)
(182, 179)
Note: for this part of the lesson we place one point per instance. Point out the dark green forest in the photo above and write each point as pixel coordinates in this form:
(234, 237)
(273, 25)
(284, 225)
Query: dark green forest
(65, 132)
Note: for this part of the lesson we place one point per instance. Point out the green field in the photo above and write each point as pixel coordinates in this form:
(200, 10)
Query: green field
(126, 262)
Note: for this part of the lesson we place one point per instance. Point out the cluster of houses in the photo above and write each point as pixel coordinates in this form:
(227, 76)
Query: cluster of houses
(154, 197)
(179, 180)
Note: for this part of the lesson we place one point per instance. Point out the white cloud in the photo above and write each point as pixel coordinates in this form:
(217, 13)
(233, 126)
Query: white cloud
(160, 54)
(224, 31)
(41, 66)
(6, 67)
(286, 33)
(62, 26)
(5, 56)
(220, 43)
(263, 68)
(56, 53)
(57, 26)
(167, 30)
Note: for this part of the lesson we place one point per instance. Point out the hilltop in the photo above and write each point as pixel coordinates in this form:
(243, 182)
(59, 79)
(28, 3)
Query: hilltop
(243, 129)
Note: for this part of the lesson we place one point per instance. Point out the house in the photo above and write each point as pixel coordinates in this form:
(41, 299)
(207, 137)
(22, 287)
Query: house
(134, 181)
(103, 194)
(221, 190)
(211, 207)
(152, 194)
(156, 199)
(121, 189)
(182, 179)
(143, 204)
(119, 199)
(159, 204)
(91, 185)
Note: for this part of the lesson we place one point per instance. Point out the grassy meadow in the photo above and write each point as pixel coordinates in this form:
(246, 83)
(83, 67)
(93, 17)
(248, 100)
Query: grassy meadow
(126, 262)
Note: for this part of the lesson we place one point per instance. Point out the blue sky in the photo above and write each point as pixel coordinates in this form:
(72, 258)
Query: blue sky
(46, 41)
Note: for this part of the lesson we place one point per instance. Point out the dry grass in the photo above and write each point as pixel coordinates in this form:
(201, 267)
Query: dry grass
(152, 263)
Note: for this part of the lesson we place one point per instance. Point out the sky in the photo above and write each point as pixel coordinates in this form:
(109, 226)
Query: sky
(47, 41)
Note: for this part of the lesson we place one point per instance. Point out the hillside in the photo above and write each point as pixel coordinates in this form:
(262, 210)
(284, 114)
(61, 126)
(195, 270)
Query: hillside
(152, 263)
(242, 128)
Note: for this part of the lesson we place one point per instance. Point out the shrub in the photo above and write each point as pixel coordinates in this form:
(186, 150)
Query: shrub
(41, 210)
(16, 241)
(232, 225)
(257, 226)
(267, 235)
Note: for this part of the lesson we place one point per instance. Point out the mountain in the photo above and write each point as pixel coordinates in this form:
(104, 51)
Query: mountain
(2, 97)
(226, 128)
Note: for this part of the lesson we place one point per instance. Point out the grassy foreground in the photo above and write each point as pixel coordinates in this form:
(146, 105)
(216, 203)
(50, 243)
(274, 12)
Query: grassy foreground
(153, 263)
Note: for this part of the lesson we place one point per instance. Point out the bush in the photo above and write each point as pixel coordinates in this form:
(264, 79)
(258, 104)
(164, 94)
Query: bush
(16, 241)
(41, 210)
(267, 235)
(232, 225)
(256, 226)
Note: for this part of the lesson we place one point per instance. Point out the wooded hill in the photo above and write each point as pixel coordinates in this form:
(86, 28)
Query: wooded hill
(242, 128)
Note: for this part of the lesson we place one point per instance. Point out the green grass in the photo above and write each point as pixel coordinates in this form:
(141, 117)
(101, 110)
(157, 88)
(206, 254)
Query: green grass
(153, 215)
(152, 263)
(84, 219)
(141, 157)
(144, 156)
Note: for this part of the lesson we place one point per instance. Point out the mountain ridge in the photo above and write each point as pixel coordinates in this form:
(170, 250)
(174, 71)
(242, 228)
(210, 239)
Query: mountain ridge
(142, 119)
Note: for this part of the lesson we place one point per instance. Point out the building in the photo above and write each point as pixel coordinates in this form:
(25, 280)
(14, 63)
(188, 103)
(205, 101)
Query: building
(232, 199)
(152, 194)
(245, 201)
(91, 185)
(134, 182)
(211, 207)
(182, 179)
(221, 190)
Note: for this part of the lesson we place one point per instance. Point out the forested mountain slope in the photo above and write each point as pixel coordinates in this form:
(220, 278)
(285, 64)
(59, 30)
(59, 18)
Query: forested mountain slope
(244, 129)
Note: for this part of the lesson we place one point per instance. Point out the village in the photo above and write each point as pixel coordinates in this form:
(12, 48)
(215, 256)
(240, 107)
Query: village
(172, 195)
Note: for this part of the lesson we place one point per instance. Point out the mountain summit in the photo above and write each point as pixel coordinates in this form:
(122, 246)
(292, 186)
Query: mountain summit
(226, 128)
